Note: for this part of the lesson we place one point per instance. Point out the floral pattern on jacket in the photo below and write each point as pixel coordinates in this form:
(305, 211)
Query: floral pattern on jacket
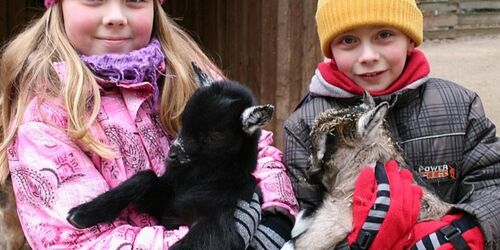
(51, 173)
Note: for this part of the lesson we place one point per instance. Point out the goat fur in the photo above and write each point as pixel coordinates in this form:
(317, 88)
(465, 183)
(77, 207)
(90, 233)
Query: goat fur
(209, 169)
(344, 141)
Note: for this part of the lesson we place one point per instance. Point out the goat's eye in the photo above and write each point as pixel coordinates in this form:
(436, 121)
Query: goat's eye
(215, 137)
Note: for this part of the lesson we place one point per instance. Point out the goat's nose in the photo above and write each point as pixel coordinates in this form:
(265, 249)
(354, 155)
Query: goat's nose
(172, 155)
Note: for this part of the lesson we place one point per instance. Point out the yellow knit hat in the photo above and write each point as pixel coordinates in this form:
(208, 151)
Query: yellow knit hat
(334, 17)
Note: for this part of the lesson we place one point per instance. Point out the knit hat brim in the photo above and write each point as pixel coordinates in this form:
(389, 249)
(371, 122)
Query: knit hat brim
(334, 17)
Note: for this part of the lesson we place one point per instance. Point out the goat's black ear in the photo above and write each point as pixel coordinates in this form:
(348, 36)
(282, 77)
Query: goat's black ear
(201, 78)
(371, 120)
(255, 117)
(368, 102)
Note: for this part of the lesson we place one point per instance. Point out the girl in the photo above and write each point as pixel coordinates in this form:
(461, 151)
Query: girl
(91, 94)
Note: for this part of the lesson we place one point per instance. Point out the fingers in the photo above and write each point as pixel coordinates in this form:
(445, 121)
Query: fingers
(412, 202)
(392, 171)
(392, 166)
(406, 174)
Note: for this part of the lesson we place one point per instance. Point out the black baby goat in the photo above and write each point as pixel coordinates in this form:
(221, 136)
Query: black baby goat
(209, 169)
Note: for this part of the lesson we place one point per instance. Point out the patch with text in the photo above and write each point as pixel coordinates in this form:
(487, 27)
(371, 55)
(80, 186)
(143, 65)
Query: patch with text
(438, 173)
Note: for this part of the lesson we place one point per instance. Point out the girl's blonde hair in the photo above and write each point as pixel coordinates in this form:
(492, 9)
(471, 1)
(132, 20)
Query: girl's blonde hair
(27, 70)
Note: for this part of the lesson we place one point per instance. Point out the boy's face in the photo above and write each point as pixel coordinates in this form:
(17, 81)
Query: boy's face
(372, 56)
(108, 27)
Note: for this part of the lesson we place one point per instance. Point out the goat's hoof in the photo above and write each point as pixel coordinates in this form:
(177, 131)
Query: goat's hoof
(73, 221)
(78, 218)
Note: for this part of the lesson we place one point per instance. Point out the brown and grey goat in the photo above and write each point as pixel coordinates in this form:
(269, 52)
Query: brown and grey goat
(344, 141)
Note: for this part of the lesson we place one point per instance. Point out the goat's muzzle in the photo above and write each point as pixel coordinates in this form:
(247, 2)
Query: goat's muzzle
(178, 154)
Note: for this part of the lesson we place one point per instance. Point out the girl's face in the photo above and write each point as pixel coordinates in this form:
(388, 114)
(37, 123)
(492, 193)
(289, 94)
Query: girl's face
(96, 27)
(372, 56)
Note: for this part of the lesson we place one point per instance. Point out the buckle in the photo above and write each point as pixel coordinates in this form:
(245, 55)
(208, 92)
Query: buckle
(364, 239)
(450, 235)
(454, 236)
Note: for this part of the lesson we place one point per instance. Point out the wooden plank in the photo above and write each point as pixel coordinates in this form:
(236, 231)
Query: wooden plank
(479, 5)
(243, 47)
(268, 54)
(479, 19)
(312, 54)
(440, 21)
(438, 8)
(231, 50)
(221, 36)
(419, 2)
(4, 30)
(16, 17)
(456, 33)
(286, 62)
(253, 45)
(298, 55)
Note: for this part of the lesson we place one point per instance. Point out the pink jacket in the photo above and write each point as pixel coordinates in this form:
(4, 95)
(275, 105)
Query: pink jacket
(51, 173)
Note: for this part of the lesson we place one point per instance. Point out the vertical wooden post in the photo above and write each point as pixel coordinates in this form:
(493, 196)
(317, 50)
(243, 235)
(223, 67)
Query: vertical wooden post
(298, 53)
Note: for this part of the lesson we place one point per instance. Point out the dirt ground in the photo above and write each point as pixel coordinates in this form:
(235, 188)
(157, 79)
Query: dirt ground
(473, 62)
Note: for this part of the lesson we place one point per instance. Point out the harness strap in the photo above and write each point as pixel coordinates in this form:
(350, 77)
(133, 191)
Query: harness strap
(451, 233)
(377, 213)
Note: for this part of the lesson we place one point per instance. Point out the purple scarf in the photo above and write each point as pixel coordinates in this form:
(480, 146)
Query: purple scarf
(142, 65)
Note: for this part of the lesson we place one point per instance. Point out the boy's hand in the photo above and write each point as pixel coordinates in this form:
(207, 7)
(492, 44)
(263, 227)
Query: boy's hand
(453, 231)
(386, 205)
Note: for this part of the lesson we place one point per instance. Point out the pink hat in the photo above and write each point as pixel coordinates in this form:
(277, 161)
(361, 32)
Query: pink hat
(50, 3)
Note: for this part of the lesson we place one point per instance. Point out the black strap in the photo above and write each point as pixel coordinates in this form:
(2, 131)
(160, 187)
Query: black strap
(451, 233)
(372, 223)
(364, 240)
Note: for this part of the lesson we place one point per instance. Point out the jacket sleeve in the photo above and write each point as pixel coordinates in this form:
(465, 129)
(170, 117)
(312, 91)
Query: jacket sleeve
(50, 175)
(479, 192)
(277, 193)
(297, 152)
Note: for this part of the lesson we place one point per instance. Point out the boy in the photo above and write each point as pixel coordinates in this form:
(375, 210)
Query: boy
(440, 126)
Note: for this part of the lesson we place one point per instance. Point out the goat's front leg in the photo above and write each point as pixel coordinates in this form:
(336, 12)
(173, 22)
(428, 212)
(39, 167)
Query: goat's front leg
(212, 233)
(331, 224)
(107, 206)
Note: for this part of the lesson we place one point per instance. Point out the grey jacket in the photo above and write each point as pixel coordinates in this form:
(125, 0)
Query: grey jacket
(444, 134)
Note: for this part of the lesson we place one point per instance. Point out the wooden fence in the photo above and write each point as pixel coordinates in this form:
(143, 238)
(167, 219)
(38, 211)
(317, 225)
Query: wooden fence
(456, 18)
(270, 46)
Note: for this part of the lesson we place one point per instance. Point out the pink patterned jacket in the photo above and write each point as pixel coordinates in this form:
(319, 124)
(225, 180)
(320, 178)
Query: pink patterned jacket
(51, 173)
